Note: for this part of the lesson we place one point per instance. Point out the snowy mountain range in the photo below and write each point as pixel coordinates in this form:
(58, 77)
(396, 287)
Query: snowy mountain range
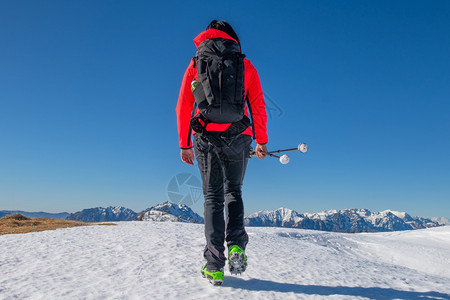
(348, 220)
(168, 211)
(100, 214)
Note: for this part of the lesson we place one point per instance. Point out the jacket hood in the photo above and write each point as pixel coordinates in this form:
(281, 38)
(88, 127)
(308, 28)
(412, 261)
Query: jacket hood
(211, 34)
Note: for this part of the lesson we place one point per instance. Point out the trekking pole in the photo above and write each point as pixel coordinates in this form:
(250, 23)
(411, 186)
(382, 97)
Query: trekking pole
(303, 148)
(284, 159)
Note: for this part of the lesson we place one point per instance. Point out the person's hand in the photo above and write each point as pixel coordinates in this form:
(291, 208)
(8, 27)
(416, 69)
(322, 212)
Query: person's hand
(260, 151)
(187, 156)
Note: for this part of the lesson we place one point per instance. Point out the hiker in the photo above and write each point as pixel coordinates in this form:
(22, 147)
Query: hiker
(219, 91)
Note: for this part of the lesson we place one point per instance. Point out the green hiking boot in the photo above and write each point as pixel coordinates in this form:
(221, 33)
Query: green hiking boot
(214, 277)
(237, 260)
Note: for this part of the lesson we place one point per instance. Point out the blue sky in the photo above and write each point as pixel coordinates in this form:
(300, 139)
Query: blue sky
(88, 92)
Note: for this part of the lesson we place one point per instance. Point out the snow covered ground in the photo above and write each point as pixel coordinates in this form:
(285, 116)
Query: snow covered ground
(153, 260)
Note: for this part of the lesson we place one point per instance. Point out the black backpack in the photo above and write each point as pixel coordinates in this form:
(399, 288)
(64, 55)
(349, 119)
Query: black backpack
(220, 92)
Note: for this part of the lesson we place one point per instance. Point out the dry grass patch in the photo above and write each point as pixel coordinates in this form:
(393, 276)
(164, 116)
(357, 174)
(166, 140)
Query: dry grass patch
(17, 223)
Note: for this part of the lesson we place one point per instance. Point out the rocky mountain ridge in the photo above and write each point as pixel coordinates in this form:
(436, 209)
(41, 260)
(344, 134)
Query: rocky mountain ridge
(102, 214)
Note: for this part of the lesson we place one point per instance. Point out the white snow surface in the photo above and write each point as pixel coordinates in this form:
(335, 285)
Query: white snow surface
(162, 260)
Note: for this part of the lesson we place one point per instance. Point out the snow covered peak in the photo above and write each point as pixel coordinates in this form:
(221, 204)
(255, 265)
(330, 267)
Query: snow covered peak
(398, 214)
(282, 217)
(284, 211)
(168, 211)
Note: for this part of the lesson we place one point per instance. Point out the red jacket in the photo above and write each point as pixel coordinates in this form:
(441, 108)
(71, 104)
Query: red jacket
(252, 90)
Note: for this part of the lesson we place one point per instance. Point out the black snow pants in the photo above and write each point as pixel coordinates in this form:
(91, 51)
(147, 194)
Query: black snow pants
(222, 169)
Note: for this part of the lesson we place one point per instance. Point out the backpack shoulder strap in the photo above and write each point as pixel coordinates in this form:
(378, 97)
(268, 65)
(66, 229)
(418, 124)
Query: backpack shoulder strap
(252, 124)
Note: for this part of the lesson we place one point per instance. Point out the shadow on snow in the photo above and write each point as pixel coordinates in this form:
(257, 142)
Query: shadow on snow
(371, 292)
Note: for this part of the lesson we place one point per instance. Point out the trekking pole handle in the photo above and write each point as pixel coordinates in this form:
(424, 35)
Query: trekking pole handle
(253, 153)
